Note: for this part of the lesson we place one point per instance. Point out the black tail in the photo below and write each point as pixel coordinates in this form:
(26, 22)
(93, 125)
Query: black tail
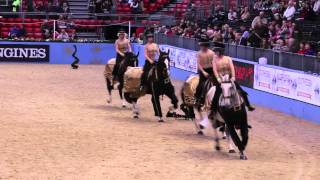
(75, 65)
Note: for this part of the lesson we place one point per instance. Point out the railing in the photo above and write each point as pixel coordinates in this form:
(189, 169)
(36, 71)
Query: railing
(137, 18)
(304, 63)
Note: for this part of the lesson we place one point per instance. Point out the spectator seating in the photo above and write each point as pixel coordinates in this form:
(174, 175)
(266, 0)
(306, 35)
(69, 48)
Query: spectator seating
(33, 26)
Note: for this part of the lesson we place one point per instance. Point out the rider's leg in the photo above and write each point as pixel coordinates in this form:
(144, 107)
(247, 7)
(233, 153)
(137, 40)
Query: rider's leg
(198, 93)
(116, 66)
(244, 95)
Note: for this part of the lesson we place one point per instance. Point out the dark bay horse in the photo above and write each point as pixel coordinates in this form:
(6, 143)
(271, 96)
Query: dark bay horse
(130, 60)
(158, 83)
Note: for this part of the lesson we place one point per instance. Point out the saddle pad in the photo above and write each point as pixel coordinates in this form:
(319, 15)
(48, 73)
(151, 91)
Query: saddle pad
(191, 85)
(109, 67)
(132, 79)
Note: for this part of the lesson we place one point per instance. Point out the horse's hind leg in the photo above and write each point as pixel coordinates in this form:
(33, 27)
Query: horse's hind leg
(109, 88)
(120, 88)
(135, 110)
(170, 93)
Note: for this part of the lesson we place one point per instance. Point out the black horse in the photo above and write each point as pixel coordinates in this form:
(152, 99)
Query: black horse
(130, 60)
(232, 108)
(158, 83)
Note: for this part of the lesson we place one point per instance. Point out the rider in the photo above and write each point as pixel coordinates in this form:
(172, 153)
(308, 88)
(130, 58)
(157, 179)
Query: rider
(122, 46)
(151, 51)
(204, 60)
(223, 65)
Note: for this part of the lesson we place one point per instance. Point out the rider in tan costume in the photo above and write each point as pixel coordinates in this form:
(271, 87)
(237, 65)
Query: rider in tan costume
(223, 65)
(122, 46)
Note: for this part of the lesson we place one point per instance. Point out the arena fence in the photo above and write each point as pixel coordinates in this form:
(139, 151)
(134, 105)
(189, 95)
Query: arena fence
(304, 63)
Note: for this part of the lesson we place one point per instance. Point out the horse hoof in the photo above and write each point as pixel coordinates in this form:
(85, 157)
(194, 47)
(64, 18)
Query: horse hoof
(224, 137)
(218, 148)
(200, 133)
(201, 127)
(231, 151)
(136, 117)
(161, 121)
(243, 157)
(124, 106)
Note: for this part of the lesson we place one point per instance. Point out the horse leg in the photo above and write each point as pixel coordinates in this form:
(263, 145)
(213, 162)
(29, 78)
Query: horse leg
(109, 88)
(135, 110)
(244, 132)
(230, 143)
(170, 93)
(120, 88)
(216, 137)
(235, 138)
(157, 107)
(195, 121)
(205, 122)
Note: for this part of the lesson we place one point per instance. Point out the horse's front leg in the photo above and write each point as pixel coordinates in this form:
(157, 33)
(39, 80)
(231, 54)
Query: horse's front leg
(135, 110)
(170, 93)
(196, 123)
(157, 107)
(230, 142)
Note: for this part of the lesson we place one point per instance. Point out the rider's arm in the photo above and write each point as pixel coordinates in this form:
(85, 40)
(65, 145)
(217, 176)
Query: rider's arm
(215, 71)
(199, 64)
(129, 46)
(117, 48)
(233, 72)
(146, 54)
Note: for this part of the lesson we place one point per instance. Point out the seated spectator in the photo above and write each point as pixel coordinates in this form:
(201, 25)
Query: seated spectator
(133, 38)
(293, 45)
(39, 6)
(258, 5)
(301, 48)
(309, 50)
(50, 7)
(61, 23)
(63, 35)
(15, 5)
(259, 20)
(232, 15)
(140, 39)
(245, 14)
(135, 7)
(107, 5)
(316, 7)
(14, 32)
(98, 4)
(290, 11)
(65, 8)
(244, 37)
(280, 46)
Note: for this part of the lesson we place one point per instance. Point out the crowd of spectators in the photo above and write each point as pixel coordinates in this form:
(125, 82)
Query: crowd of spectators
(101, 6)
(57, 6)
(271, 24)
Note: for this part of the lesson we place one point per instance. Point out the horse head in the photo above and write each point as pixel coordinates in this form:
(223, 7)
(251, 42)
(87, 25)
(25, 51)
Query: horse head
(230, 97)
(131, 59)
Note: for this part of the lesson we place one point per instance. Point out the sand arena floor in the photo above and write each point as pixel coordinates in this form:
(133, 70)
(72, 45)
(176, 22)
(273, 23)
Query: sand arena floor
(55, 124)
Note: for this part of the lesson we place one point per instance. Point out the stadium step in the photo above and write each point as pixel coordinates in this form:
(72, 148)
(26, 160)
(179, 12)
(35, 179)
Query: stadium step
(79, 6)
(88, 35)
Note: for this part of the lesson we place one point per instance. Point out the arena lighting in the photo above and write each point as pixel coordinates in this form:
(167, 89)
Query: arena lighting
(22, 52)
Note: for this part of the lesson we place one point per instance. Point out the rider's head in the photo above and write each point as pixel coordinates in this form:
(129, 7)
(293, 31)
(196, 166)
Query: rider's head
(218, 49)
(150, 38)
(121, 33)
(204, 43)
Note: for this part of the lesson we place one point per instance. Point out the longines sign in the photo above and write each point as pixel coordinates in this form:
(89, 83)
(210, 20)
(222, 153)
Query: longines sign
(24, 53)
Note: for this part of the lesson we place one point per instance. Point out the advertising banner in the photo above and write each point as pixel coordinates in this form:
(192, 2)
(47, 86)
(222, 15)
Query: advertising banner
(290, 84)
(244, 73)
(24, 53)
(182, 58)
